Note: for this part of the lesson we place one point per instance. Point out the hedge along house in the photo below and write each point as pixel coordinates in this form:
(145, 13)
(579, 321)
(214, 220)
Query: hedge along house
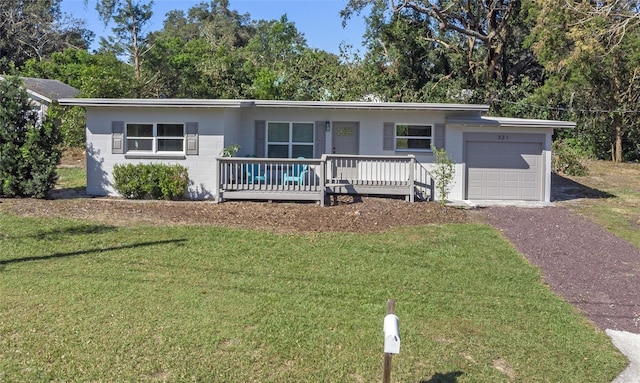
(348, 147)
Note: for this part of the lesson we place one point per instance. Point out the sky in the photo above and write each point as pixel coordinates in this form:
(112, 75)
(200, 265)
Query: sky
(318, 20)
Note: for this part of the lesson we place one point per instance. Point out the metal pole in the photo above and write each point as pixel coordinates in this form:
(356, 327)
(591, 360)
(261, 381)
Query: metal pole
(386, 377)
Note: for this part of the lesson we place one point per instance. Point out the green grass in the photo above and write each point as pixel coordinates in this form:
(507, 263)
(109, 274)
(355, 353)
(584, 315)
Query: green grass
(72, 178)
(84, 302)
(620, 212)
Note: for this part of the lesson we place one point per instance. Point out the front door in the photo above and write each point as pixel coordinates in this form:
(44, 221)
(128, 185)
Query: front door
(344, 140)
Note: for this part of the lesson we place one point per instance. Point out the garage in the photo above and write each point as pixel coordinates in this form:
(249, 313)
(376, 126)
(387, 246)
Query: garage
(504, 166)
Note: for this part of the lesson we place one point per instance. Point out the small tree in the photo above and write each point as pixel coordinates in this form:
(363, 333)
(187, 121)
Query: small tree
(29, 149)
(443, 173)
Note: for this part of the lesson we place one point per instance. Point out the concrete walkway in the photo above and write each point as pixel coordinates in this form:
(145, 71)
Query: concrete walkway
(629, 344)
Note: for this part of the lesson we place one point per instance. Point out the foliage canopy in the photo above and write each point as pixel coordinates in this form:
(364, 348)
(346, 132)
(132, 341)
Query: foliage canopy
(29, 147)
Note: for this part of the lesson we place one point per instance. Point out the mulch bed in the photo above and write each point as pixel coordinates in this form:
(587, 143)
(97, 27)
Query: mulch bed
(588, 266)
(366, 214)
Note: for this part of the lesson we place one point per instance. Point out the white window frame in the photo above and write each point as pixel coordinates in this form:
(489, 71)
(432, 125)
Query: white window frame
(155, 138)
(290, 143)
(396, 137)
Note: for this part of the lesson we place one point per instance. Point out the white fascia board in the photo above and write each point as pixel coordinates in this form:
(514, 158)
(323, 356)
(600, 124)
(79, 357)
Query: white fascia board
(506, 122)
(38, 96)
(370, 105)
(154, 102)
(196, 103)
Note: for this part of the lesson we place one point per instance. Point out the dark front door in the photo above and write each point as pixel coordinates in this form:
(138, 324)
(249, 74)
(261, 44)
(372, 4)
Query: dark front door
(345, 140)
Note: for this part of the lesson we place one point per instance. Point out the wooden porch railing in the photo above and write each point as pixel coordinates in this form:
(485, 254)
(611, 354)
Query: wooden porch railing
(314, 179)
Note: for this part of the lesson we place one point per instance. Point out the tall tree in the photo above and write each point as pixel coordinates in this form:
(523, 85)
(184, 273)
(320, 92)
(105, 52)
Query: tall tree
(478, 31)
(130, 18)
(199, 54)
(271, 54)
(591, 51)
(96, 75)
(29, 149)
(35, 29)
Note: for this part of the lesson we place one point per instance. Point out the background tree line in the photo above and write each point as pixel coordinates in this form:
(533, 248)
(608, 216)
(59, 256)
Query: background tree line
(567, 59)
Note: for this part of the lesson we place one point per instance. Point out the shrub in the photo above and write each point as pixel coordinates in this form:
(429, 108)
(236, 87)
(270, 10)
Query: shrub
(566, 160)
(29, 149)
(72, 126)
(155, 181)
(443, 173)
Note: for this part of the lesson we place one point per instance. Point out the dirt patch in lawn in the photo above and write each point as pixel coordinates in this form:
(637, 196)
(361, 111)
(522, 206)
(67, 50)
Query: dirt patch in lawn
(367, 214)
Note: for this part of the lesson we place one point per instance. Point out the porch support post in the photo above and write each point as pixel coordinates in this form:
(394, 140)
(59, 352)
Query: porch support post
(323, 179)
(216, 189)
(412, 178)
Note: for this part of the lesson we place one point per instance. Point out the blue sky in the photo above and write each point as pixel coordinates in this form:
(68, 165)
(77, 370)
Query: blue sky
(318, 20)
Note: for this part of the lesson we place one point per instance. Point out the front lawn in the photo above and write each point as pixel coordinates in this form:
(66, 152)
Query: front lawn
(619, 209)
(86, 302)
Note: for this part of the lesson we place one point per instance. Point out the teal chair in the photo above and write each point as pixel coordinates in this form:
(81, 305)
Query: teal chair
(297, 174)
(253, 174)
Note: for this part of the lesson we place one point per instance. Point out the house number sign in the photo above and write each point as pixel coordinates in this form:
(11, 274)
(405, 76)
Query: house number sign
(503, 137)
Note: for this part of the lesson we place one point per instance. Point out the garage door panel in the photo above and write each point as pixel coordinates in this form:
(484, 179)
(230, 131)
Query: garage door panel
(493, 192)
(512, 192)
(529, 194)
(510, 176)
(492, 176)
(476, 176)
(504, 170)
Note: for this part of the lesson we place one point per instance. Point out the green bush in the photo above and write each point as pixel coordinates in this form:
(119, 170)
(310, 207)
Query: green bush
(566, 160)
(154, 181)
(72, 126)
(443, 173)
(29, 149)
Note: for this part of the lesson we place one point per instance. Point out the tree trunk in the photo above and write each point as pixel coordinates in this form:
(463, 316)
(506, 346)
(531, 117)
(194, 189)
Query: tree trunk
(618, 144)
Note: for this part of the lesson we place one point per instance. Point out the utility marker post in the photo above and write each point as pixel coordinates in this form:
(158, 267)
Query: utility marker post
(391, 328)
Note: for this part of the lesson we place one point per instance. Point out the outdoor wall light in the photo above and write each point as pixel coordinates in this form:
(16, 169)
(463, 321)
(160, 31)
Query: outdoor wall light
(327, 126)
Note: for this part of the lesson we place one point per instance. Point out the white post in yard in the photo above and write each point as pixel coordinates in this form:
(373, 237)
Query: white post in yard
(391, 328)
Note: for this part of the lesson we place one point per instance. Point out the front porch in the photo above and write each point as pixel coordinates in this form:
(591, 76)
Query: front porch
(316, 179)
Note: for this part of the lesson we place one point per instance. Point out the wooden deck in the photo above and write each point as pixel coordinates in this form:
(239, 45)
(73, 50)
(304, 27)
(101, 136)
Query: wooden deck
(316, 179)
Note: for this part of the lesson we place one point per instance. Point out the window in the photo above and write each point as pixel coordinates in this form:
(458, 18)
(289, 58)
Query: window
(413, 137)
(155, 137)
(289, 139)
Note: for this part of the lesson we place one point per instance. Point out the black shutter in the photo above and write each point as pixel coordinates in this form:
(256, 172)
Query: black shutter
(260, 127)
(389, 136)
(117, 137)
(438, 139)
(321, 138)
(192, 138)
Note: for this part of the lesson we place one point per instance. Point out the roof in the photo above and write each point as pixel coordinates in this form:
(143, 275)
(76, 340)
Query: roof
(50, 90)
(197, 103)
(509, 122)
(47, 90)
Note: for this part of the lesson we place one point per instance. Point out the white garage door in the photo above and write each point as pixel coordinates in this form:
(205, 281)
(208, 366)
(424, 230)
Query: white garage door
(504, 170)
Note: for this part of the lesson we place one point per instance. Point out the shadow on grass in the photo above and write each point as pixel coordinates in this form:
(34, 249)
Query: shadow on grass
(84, 252)
(75, 230)
(449, 377)
(565, 189)
(68, 193)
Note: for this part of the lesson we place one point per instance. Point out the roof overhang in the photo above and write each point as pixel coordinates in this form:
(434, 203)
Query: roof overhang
(197, 103)
(371, 105)
(39, 96)
(506, 122)
(152, 102)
